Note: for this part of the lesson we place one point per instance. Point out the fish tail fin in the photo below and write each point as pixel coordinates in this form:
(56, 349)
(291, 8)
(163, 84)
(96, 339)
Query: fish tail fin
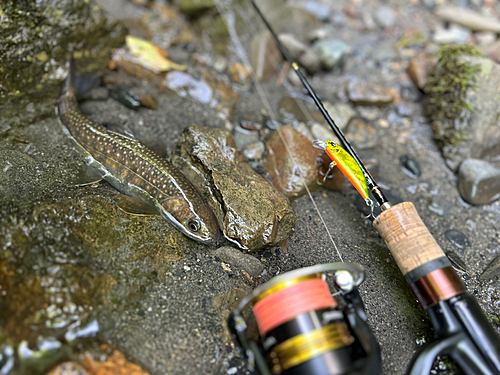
(67, 101)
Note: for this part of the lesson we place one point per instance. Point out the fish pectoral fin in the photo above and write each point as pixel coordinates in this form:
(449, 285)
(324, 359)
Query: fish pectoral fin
(134, 206)
(87, 175)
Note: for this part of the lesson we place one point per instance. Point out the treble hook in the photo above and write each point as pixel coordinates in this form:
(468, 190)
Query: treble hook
(330, 167)
(370, 204)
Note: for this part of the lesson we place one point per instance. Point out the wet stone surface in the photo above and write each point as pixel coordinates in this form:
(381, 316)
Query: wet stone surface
(250, 212)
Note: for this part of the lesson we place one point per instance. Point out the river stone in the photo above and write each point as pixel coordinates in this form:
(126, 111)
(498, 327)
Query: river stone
(330, 52)
(492, 270)
(362, 135)
(341, 113)
(265, 56)
(368, 93)
(250, 212)
(290, 177)
(468, 18)
(478, 181)
(236, 258)
(466, 123)
(34, 58)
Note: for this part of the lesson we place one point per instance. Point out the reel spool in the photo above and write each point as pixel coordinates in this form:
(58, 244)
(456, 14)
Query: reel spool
(302, 330)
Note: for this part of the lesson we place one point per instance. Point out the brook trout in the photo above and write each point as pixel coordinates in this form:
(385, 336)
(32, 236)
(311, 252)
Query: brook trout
(138, 172)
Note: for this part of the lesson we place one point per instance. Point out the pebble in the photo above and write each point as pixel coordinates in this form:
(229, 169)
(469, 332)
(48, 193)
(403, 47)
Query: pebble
(323, 133)
(244, 137)
(468, 18)
(310, 61)
(254, 151)
(491, 271)
(361, 134)
(457, 238)
(394, 119)
(411, 166)
(194, 7)
(478, 181)
(418, 69)
(368, 93)
(385, 16)
(454, 34)
(341, 113)
(148, 101)
(319, 10)
(184, 84)
(484, 38)
(294, 46)
(98, 93)
(369, 113)
(303, 129)
(288, 176)
(383, 53)
(240, 260)
(330, 52)
(456, 262)
(441, 206)
(125, 97)
(404, 110)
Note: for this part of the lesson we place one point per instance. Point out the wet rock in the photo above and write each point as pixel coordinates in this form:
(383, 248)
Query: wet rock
(492, 51)
(236, 258)
(419, 67)
(330, 52)
(478, 181)
(290, 109)
(361, 134)
(411, 166)
(265, 56)
(457, 238)
(303, 129)
(454, 34)
(319, 10)
(244, 137)
(194, 7)
(462, 90)
(34, 57)
(184, 84)
(468, 18)
(287, 177)
(404, 109)
(251, 213)
(369, 113)
(385, 16)
(441, 206)
(384, 52)
(254, 151)
(341, 113)
(368, 93)
(491, 271)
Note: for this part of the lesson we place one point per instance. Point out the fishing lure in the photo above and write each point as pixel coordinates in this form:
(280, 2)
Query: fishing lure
(347, 165)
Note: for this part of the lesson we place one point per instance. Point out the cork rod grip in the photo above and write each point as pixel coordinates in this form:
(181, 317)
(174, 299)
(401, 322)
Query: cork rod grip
(407, 237)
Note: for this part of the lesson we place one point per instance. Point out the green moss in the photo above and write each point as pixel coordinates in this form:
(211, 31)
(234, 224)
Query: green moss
(447, 87)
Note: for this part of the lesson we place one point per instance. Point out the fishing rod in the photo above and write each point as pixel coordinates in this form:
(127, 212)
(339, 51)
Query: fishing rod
(462, 330)
(302, 329)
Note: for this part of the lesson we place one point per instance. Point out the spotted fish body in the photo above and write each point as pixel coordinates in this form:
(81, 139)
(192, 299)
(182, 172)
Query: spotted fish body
(138, 172)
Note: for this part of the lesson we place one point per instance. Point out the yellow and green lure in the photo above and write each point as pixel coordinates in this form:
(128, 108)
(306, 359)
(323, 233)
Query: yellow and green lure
(347, 165)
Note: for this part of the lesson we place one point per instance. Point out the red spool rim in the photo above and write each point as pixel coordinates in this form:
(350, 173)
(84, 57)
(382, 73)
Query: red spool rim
(285, 304)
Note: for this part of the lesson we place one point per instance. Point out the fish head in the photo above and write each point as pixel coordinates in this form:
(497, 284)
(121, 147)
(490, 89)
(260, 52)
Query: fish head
(196, 221)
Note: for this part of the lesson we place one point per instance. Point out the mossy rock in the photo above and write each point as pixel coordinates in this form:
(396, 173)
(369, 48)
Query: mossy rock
(37, 39)
(462, 90)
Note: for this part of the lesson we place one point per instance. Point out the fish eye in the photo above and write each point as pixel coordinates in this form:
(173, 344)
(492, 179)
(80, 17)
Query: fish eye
(194, 225)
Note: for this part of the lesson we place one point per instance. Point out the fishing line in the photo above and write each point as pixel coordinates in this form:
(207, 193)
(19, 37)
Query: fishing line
(228, 19)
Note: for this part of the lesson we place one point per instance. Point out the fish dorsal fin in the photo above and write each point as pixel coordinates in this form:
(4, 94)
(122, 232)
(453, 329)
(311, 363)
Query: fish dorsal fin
(135, 207)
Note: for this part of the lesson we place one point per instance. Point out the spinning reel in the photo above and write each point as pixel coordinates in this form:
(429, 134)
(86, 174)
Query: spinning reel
(302, 328)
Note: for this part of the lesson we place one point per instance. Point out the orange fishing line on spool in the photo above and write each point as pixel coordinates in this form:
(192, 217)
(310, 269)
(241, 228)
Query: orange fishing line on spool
(285, 304)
